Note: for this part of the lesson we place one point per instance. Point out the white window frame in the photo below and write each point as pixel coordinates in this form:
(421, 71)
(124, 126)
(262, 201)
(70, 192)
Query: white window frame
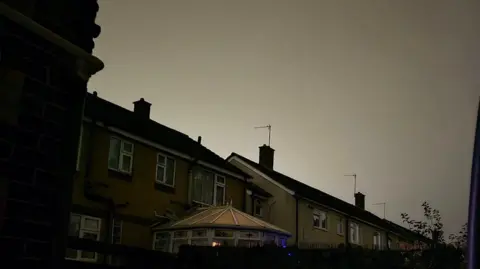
(341, 226)
(221, 185)
(258, 239)
(81, 232)
(169, 240)
(122, 153)
(377, 240)
(355, 226)
(318, 213)
(215, 184)
(165, 167)
(257, 202)
(120, 225)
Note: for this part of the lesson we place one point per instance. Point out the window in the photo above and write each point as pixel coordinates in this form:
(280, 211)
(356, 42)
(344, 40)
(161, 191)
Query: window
(389, 243)
(219, 190)
(199, 238)
(223, 238)
(340, 226)
(208, 188)
(282, 242)
(269, 239)
(319, 219)
(257, 208)
(249, 239)
(120, 157)
(117, 231)
(83, 227)
(161, 241)
(377, 240)
(165, 170)
(354, 233)
(180, 238)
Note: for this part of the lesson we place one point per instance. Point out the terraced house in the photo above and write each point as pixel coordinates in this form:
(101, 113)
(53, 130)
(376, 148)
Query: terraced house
(133, 172)
(316, 219)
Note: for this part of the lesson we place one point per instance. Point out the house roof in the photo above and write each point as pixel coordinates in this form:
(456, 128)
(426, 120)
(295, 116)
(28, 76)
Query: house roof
(304, 191)
(116, 116)
(226, 217)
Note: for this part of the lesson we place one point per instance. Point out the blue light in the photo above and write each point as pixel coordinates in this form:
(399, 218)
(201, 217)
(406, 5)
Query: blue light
(289, 254)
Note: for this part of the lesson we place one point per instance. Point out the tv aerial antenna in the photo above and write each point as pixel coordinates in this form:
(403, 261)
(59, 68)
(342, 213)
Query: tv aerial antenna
(269, 127)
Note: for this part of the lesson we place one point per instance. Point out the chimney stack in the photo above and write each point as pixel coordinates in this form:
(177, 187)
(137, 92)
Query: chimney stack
(266, 156)
(142, 108)
(360, 200)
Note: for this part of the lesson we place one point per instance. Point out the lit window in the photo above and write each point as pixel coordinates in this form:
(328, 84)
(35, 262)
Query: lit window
(85, 227)
(223, 238)
(120, 157)
(165, 170)
(319, 219)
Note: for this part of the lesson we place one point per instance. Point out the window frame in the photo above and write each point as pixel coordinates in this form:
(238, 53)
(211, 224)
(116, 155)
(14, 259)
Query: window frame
(81, 233)
(114, 222)
(216, 184)
(168, 241)
(165, 167)
(356, 227)
(340, 224)
(121, 153)
(257, 202)
(221, 185)
(318, 213)
(377, 240)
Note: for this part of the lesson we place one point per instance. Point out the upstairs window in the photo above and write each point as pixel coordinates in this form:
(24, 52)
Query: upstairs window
(340, 226)
(120, 157)
(320, 219)
(377, 240)
(165, 170)
(354, 233)
(208, 188)
(219, 190)
(257, 208)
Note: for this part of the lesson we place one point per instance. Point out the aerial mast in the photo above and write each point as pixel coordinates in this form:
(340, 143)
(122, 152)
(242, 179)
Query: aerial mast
(269, 127)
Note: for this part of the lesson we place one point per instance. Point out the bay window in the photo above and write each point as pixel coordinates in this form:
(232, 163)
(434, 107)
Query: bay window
(249, 239)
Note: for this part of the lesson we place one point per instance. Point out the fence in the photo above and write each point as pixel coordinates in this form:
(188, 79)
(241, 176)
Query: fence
(292, 258)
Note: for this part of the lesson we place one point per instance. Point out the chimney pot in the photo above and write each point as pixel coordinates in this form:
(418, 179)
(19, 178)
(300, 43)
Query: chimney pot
(360, 200)
(199, 140)
(266, 156)
(142, 108)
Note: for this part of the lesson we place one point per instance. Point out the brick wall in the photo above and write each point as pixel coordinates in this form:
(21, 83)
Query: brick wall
(38, 144)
